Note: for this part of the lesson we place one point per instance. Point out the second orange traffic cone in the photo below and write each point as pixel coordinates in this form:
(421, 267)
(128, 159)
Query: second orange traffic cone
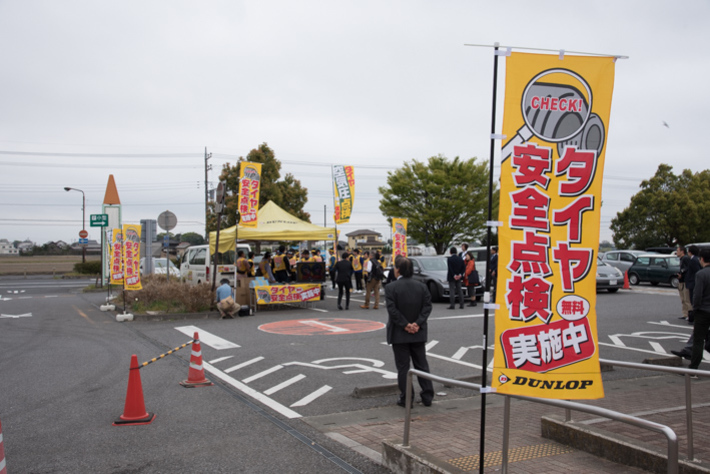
(196, 374)
(626, 281)
(134, 411)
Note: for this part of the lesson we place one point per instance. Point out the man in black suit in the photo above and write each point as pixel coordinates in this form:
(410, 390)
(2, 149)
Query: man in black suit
(408, 308)
(456, 272)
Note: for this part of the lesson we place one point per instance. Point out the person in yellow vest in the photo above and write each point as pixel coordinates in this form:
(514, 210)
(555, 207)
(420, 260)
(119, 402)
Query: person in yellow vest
(265, 268)
(356, 261)
(252, 267)
(281, 266)
(316, 256)
(305, 257)
(242, 266)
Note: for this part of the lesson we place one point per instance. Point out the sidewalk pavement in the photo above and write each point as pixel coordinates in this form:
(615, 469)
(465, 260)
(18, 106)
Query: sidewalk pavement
(446, 435)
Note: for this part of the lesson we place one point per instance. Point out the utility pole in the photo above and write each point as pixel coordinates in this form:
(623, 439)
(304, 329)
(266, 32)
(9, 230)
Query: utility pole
(208, 167)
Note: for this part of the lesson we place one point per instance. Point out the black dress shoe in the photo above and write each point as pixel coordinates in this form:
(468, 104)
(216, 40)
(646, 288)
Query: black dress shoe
(340, 307)
(451, 307)
(426, 403)
(473, 304)
(401, 402)
(684, 354)
(461, 307)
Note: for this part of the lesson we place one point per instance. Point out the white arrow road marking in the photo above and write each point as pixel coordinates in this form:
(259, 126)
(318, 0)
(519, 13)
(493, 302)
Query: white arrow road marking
(463, 350)
(327, 326)
(309, 398)
(16, 316)
(359, 368)
(210, 339)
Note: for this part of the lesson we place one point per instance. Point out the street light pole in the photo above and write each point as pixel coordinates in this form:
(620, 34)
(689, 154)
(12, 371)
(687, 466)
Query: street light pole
(83, 219)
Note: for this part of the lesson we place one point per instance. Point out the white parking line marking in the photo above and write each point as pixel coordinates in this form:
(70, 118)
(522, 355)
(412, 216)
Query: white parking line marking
(263, 374)
(250, 392)
(657, 347)
(211, 340)
(466, 316)
(309, 398)
(16, 316)
(243, 364)
(220, 359)
(285, 384)
(327, 326)
(668, 325)
(357, 368)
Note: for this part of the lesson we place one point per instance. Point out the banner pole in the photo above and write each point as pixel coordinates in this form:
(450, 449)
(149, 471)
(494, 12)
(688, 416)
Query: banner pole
(335, 221)
(484, 365)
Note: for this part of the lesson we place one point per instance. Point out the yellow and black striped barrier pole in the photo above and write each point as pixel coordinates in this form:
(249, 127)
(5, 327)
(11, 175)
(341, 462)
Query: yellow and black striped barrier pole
(167, 353)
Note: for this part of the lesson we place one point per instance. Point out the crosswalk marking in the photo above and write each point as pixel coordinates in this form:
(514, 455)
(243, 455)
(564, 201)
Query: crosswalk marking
(243, 364)
(263, 374)
(309, 398)
(285, 384)
(250, 392)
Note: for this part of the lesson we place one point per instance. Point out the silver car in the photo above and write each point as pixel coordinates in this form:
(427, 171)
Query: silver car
(621, 259)
(608, 278)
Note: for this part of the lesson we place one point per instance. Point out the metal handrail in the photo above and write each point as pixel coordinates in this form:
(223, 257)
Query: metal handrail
(688, 391)
(639, 422)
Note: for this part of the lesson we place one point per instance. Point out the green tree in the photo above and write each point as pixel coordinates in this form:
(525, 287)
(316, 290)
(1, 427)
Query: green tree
(442, 200)
(668, 210)
(193, 237)
(288, 193)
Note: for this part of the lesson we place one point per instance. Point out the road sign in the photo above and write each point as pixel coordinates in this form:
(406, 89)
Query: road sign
(167, 220)
(83, 241)
(98, 220)
(83, 234)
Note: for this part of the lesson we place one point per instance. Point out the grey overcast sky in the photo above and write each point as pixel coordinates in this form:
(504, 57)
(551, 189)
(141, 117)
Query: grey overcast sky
(139, 89)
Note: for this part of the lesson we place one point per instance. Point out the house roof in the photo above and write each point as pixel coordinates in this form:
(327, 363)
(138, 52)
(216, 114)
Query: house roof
(362, 232)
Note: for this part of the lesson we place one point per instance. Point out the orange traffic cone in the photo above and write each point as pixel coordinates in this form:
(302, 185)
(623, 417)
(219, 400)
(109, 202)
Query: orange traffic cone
(3, 467)
(196, 374)
(626, 280)
(134, 411)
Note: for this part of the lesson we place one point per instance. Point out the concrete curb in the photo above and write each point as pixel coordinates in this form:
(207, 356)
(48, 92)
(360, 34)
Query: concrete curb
(411, 460)
(393, 389)
(175, 316)
(616, 448)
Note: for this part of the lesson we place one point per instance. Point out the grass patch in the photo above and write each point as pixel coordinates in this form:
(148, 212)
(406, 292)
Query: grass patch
(168, 296)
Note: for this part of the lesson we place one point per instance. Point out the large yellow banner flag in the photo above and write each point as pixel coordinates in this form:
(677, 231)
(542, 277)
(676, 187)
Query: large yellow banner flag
(399, 237)
(344, 184)
(556, 121)
(249, 186)
(116, 257)
(132, 256)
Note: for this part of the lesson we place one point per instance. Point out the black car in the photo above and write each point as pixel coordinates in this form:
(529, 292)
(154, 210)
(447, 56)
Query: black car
(432, 272)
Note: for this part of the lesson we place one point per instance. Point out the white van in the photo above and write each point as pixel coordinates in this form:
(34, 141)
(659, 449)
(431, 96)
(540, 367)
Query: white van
(196, 265)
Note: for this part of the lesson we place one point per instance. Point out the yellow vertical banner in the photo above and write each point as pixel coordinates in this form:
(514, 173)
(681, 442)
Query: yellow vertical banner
(132, 256)
(344, 184)
(249, 185)
(116, 257)
(556, 120)
(399, 237)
